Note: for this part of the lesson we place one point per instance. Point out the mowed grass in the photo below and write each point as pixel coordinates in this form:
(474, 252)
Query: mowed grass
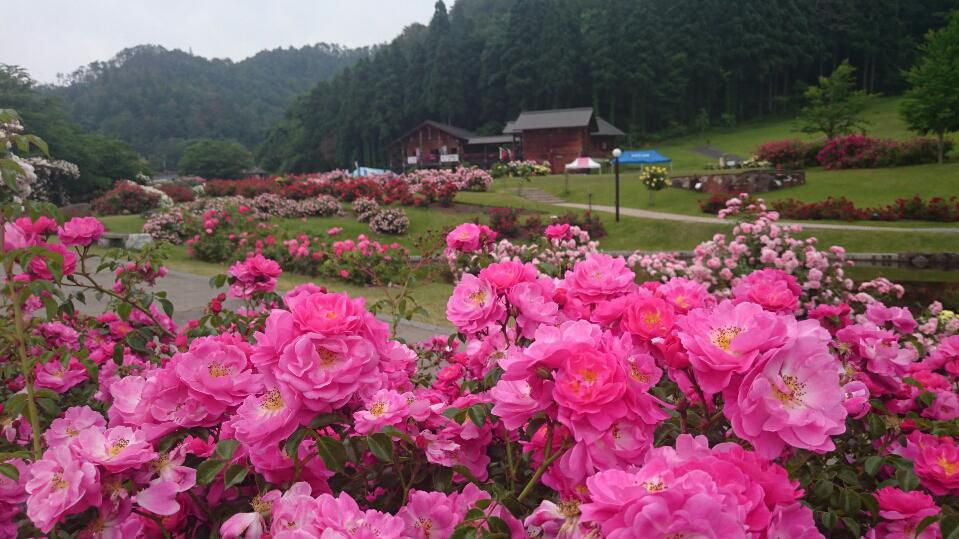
(865, 187)
(743, 140)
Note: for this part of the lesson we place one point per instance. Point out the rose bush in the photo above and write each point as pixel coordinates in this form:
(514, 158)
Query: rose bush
(590, 403)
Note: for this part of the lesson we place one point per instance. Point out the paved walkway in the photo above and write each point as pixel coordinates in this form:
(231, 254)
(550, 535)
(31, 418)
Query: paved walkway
(538, 195)
(190, 294)
(663, 216)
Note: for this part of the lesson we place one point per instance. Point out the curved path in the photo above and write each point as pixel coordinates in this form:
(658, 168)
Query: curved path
(647, 214)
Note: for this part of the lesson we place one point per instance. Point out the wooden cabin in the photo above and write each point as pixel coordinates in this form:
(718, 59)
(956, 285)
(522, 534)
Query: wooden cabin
(559, 136)
(434, 144)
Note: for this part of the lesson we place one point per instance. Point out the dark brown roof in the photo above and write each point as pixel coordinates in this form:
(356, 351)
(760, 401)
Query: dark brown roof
(457, 132)
(552, 119)
(606, 129)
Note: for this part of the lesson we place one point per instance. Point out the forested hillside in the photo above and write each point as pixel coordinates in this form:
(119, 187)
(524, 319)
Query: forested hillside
(157, 99)
(101, 159)
(652, 67)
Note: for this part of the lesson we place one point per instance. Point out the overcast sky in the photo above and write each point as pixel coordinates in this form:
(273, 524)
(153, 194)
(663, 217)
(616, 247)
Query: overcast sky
(57, 36)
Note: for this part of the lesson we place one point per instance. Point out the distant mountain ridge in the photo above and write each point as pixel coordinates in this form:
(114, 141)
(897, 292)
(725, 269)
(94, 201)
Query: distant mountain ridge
(158, 99)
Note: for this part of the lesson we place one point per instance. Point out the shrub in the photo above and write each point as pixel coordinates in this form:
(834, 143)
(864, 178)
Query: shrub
(126, 197)
(300, 190)
(390, 221)
(179, 193)
(843, 209)
(587, 222)
(248, 188)
(505, 221)
(789, 154)
(715, 203)
(365, 208)
(858, 151)
(168, 226)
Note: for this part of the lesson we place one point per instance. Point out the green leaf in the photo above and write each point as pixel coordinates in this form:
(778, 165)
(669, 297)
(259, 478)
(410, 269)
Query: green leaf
(167, 306)
(849, 501)
(397, 433)
(925, 523)
(873, 464)
(907, 479)
(15, 405)
(10, 471)
(381, 445)
(49, 406)
(124, 309)
(498, 525)
(823, 489)
(927, 398)
(477, 414)
(442, 479)
(851, 525)
(207, 471)
(226, 448)
(235, 474)
(949, 526)
(325, 420)
(451, 412)
(474, 514)
(484, 503)
(828, 520)
(332, 452)
(118, 354)
(464, 532)
(292, 444)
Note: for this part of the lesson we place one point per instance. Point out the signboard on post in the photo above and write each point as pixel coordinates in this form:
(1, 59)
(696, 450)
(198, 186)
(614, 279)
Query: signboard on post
(411, 160)
(450, 158)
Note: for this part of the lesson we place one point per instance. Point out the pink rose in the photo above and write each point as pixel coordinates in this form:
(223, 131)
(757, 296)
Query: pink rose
(60, 484)
(774, 289)
(81, 231)
(728, 339)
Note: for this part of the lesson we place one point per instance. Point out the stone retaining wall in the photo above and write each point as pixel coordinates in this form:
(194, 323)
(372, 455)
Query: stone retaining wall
(747, 181)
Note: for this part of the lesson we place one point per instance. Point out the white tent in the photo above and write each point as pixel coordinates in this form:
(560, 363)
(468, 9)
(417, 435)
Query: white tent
(583, 163)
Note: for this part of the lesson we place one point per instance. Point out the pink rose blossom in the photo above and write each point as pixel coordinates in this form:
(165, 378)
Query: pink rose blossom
(647, 317)
(774, 289)
(66, 429)
(728, 340)
(217, 371)
(474, 306)
(793, 398)
(81, 231)
(60, 484)
(116, 449)
(598, 278)
(255, 275)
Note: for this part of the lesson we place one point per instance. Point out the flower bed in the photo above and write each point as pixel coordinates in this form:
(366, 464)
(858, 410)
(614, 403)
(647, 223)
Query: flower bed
(850, 151)
(127, 197)
(842, 209)
(746, 396)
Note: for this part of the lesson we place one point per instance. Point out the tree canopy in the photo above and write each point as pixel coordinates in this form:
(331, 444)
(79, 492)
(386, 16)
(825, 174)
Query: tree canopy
(215, 159)
(649, 66)
(102, 159)
(158, 99)
(931, 104)
(834, 106)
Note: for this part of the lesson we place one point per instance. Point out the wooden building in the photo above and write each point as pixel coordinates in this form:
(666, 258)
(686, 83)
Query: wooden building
(552, 136)
(433, 144)
(559, 136)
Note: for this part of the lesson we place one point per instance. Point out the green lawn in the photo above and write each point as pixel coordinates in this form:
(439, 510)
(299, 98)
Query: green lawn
(746, 137)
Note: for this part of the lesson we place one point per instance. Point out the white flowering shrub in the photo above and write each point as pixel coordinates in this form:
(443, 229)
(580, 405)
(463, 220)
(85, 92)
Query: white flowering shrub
(390, 221)
(365, 208)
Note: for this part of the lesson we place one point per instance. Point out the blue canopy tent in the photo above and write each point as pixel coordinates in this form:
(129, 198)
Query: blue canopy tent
(644, 157)
(367, 171)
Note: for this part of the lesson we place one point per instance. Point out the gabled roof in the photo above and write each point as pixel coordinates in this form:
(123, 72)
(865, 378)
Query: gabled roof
(457, 132)
(606, 129)
(553, 119)
(491, 139)
(510, 128)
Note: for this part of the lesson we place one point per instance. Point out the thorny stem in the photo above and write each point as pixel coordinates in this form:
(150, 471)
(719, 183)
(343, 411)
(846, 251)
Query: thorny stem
(511, 470)
(96, 286)
(26, 371)
(547, 462)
